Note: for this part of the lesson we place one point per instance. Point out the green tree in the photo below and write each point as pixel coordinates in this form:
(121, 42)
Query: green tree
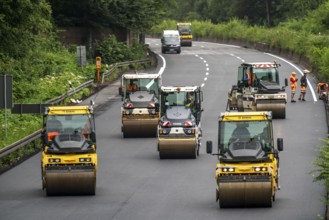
(21, 21)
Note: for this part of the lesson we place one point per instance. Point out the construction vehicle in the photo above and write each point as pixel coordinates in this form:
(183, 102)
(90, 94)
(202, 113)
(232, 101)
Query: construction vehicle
(185, 33)
(322, 91)
(170, 41)
(140, 109)
(179, 129)
(69, 159)
(258, 89)
(247, 174)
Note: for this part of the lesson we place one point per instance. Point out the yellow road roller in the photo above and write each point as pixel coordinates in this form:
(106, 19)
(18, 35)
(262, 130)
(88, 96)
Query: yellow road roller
(140, 109)
(69, 159)
(185, 33)
(247, 174)
(179, 129)
(258, 89)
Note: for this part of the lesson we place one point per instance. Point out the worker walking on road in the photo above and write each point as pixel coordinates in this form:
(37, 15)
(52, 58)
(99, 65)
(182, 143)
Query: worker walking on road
(293, 85)
(303, 86)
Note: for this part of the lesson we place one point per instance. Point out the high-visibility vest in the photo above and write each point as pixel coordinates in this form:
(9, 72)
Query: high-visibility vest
(293, 82)
(188, 102)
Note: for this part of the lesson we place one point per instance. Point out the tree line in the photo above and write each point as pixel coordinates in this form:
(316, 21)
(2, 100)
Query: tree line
(256, 12)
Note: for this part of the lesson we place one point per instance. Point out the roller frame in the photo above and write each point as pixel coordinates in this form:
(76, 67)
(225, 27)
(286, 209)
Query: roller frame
(178, 148)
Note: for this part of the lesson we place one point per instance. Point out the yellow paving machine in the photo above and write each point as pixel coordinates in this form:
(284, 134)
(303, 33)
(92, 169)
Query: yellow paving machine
(179, 130)
(247, 174)
(185, 33)
(69, 159)
(140, 109)
(258, 89)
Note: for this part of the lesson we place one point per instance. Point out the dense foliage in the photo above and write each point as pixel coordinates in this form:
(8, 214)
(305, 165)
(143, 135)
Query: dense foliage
(113, 51)
(131, 14)
(256, 12)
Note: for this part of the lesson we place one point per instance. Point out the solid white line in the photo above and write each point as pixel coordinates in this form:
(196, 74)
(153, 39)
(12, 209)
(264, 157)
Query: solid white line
(301, 73)
(163, 66)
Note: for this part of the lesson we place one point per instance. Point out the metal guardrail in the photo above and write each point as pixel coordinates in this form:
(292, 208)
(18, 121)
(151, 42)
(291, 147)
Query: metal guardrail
(32, 137)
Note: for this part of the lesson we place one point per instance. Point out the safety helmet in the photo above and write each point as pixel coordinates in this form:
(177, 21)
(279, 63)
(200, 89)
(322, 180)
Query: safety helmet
(293, 73)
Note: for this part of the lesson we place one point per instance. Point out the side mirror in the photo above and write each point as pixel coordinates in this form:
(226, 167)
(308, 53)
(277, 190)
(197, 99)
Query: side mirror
(209, 147)
(286, 82)
(120, 91)
(280, 144)
(93, 136)
(44, 137)
(157, 106)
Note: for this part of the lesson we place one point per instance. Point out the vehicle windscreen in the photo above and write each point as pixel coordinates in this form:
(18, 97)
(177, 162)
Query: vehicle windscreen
(176, 98)
(150, 85)
(184, 29)
(245, 132)
(267, 74)
(82, 124)
(171, 39)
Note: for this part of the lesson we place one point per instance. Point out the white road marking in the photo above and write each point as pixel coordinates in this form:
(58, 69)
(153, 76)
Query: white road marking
(163, 66)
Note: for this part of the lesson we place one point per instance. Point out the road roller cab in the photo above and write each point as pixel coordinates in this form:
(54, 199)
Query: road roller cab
(247, 174)
(179, 130)
(69, 159)
(258, 89)
(140, 109)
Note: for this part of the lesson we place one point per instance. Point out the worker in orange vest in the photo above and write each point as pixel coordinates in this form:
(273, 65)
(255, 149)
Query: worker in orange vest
(322, 90)
(293, 85)
(131, 87)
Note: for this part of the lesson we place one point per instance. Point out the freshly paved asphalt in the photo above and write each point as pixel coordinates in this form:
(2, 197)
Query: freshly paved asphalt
(132, 183)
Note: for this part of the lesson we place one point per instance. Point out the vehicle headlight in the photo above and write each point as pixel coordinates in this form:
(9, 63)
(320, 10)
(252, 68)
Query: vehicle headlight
(84, 159)
(54, 160)
(258, 169)
(228, 169)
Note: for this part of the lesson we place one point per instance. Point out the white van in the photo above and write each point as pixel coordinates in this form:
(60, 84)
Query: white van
(170, 41)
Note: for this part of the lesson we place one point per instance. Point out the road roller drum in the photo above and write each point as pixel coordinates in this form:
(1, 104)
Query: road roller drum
(278, 107)
(70, 182)
(139, 127)
(177, 148)
(248, 193)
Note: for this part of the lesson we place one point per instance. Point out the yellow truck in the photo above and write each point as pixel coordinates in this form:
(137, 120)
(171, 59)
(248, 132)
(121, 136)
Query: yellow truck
(69, 158)
(247, 174)
(185, 33)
